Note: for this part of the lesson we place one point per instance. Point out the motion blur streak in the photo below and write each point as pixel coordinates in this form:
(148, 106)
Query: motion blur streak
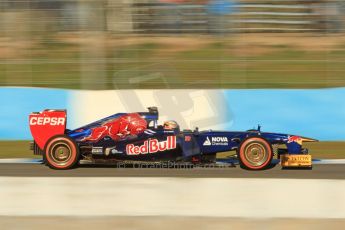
(169, 223)
(107, 44)
(217, 197)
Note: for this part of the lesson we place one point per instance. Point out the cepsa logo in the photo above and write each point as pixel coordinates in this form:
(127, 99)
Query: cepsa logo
(47, 120)
(152, 146)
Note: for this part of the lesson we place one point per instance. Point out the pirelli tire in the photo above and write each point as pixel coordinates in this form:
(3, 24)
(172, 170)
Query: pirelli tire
(61, 152)
(255, 153)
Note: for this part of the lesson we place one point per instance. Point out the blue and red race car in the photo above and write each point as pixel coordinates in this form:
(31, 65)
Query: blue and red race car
(137, 137)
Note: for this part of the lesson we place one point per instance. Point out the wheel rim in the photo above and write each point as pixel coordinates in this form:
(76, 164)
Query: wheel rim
(256, 154)
(61, 153)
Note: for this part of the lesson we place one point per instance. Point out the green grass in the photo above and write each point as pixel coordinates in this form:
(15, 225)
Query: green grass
(330, 150)
(325, 150)
(16, 149)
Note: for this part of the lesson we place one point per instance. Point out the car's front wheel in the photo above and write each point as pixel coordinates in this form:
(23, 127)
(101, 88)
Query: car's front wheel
(255, 153)
(61, 152)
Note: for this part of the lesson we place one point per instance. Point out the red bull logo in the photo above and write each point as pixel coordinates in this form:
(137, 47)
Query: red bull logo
(152, 146)
(118, 128)
(296, 139)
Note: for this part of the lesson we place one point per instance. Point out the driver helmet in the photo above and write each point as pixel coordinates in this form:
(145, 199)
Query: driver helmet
(170, 125)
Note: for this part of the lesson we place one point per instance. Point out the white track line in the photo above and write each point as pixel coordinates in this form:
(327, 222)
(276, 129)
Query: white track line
(329, 161)
(216, 197)
(20, 161)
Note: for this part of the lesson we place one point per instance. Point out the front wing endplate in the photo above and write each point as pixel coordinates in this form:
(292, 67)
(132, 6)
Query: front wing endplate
(296, 160)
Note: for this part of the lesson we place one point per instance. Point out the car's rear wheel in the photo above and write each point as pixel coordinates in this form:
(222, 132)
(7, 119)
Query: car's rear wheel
(61, 152)
(255, 153)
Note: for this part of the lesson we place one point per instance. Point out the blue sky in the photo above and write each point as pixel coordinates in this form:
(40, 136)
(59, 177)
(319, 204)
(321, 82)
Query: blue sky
(318, 113)
(16, 105)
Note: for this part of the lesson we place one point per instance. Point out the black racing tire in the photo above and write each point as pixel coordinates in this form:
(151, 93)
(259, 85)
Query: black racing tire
(255, 153)
(61, 152)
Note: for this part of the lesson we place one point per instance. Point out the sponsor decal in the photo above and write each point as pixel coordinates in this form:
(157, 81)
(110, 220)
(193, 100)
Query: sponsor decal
(215, 141)
(295, 139)
(149, 132)
(152, 146)
(296, 160)
(47, 120)
(187, 138)
(207, 142)
(111, 150)
(115, 151)
(97, 150)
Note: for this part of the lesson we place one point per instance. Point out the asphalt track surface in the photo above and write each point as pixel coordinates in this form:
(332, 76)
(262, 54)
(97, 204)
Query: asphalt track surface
(334, 171)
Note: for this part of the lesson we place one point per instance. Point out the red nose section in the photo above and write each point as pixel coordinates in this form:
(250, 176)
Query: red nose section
(47, 124)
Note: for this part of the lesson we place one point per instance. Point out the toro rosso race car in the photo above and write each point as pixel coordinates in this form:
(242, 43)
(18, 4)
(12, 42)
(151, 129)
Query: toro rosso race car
(137, 137)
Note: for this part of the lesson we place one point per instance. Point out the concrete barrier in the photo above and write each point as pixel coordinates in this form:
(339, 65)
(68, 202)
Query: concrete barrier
(203, 197)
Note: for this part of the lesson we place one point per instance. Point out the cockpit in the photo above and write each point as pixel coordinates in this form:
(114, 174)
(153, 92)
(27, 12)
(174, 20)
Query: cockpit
(152, 121)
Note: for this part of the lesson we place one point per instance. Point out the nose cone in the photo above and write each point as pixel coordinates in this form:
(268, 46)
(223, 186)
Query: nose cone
(299, 139)
(307, 139)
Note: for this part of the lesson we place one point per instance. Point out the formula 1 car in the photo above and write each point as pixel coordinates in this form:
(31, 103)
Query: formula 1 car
(137, 137)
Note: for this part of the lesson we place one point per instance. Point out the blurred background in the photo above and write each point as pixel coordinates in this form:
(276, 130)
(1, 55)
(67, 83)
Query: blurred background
(278, 62)
(176, 44)
(131, 44)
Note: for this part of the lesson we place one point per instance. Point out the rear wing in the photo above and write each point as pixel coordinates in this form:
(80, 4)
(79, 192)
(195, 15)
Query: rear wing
(46, 124)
